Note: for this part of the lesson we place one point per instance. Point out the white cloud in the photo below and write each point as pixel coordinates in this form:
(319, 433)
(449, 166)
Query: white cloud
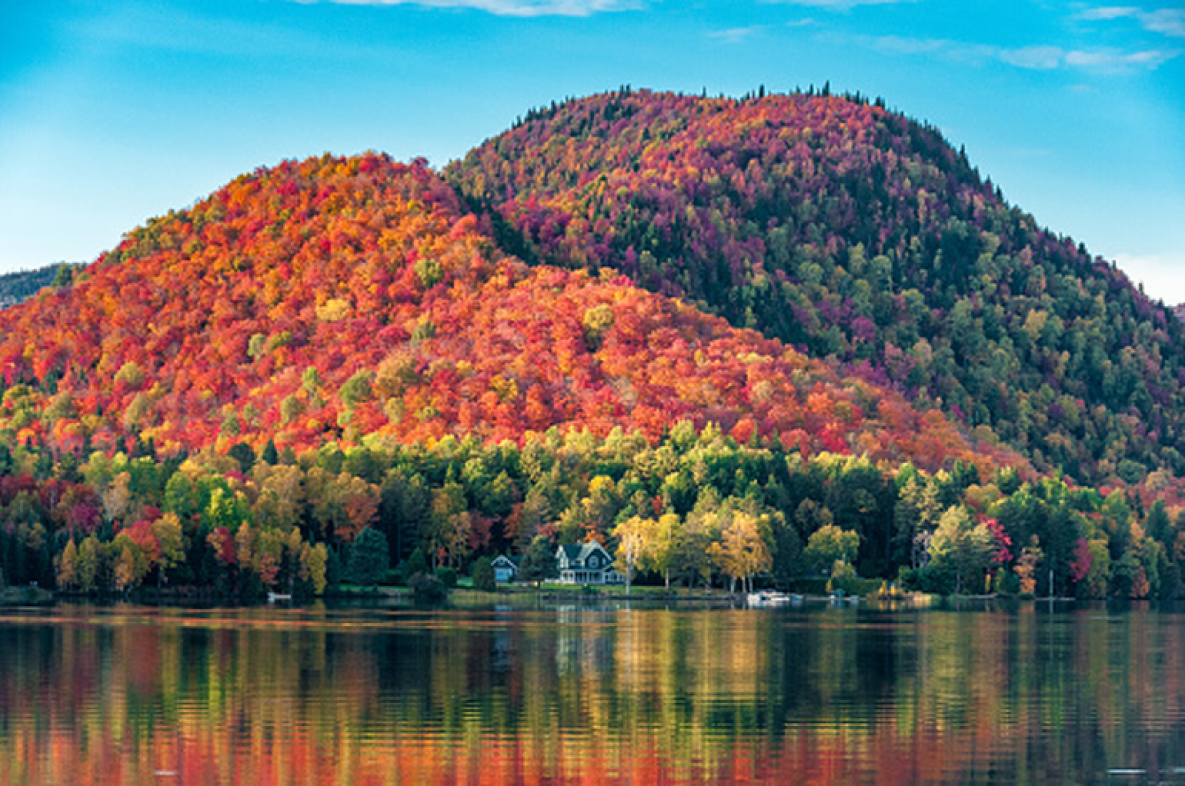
(1048, 58)
(840, 5)
(1110, 12)
(1102, 60)
(1163, 278)
(737, 35)
(1035, 58)
(1039, 58)
(520, 8)
(910, 46)
(1111, 60)
(1166, 21)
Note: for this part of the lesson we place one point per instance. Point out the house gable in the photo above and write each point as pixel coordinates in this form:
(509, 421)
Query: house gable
(505, 568)
(569, 556)
(586, 563)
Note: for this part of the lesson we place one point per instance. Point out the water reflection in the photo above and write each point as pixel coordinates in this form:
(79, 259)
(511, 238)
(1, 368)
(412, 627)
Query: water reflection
(138, 695)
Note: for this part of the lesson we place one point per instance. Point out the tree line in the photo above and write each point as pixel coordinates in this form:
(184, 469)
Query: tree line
(695, 508)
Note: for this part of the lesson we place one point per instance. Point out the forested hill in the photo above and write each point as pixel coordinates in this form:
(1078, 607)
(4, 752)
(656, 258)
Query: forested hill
(860, 236)
(233, 396)
(340, 299)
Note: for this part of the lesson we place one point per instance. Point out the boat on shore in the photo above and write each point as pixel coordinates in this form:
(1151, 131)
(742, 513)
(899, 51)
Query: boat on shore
(762, 600)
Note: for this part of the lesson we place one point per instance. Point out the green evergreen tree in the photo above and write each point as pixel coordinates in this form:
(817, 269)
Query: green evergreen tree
(483, 575)
(417, 563)
(369, 557)
(242, 453)
(540, 563)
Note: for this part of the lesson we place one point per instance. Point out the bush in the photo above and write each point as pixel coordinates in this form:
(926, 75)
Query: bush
(426, 588)
(447, 576)
(853, 586)
(938, 578)
(908, 579)
(1008, 583)
(483, 575)
(810, 585)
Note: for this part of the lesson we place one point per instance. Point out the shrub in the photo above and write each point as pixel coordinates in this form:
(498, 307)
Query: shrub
(1007, 583)
(938, 578)
(426, 588)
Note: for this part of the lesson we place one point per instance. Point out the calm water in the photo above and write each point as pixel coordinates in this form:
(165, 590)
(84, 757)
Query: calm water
(131, 694)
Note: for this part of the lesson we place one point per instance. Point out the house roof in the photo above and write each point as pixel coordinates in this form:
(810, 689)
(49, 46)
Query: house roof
(578, 553)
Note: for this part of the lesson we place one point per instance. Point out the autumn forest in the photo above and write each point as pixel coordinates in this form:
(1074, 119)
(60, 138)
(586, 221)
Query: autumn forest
(738, 341)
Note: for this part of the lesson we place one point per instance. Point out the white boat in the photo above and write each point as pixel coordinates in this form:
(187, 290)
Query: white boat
(762, 600)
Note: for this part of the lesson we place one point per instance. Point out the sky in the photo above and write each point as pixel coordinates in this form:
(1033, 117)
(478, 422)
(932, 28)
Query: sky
(115, 111)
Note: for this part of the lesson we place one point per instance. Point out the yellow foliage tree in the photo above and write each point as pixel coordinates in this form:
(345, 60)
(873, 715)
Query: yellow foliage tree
(86, 570)
(313, 561)
(171, 542)
(68, 566)
(744, 549)
(130, 564)
(663, 545)
(632, 536)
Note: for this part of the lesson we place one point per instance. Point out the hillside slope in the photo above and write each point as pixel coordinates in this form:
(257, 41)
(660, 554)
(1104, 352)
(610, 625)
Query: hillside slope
(333, 299)
(862, 237)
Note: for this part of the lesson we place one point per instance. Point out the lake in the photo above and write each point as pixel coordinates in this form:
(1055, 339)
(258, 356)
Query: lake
(591, 694)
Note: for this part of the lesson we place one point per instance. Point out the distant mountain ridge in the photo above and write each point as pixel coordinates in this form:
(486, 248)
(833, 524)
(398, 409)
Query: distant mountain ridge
(20, 286)
(861, 236)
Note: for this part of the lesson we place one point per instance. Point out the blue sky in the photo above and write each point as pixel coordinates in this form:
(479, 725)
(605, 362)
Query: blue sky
(113, 112)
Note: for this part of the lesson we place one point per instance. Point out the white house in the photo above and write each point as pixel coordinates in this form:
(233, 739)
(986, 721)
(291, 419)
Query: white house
(586, 563)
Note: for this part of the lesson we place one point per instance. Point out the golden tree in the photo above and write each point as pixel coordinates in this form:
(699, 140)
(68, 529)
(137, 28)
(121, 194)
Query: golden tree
(744, 549)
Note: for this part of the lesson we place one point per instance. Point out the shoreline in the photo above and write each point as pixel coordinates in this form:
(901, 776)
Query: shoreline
(520, 596)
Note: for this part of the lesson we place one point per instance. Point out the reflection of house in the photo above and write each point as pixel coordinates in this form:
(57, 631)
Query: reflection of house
(586, 563)
(505, 568)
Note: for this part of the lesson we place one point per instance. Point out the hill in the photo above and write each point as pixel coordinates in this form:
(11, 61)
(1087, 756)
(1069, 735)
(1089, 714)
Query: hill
(230, 398)
(335, 299)
(860, 236)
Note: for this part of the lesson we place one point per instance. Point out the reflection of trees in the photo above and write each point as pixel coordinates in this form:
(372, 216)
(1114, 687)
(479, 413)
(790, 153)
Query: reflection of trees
(250, 696)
